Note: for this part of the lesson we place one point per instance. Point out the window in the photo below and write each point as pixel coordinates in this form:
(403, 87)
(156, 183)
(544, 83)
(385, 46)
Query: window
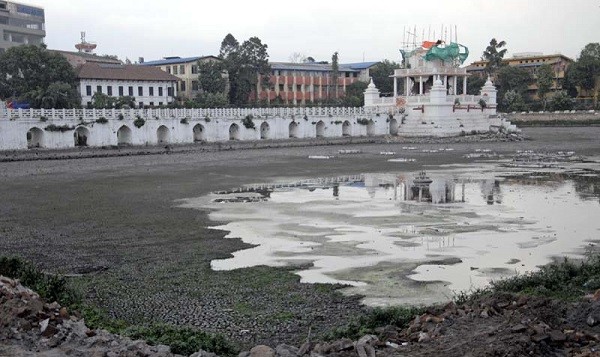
(99, 89)
(151, 103)
(174, 69)
(182, 69)
(316, 89)
(347, 74)
(160, 104)
(140, 91)
(151, 91)
(170, 92)
(194, 69)
(281, 88)
(195, 85)
(298, 88)
(160, 91)
(140, 105)
(88, 90)
(354, 75)
(182, 86)
(131, 91)
(276, 72)
(109, 90)
(121, 91)
(168, 68)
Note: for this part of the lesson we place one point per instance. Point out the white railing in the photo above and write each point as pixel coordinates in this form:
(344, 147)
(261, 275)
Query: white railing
(418, 99)
(463, 99)
(225, 113)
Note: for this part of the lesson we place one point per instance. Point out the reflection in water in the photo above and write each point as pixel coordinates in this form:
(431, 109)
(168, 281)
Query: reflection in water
(380, 232)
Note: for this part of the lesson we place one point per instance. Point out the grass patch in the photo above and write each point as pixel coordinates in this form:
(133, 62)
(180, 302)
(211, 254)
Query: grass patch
(183, 341)
(398, 316)
(565, 280)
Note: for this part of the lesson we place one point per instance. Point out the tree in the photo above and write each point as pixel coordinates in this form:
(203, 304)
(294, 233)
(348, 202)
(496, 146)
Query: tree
(545, 78)
(513, 78)
(29, 71)
(493, 56)
(297, 57)
(212, 100)
(474, 84)
(586, 70)
(561, 101)
(381, 73)
(512, 101)
(211, 76)
(355, 94)
(245, 65)
(56, 95)
(335, 73)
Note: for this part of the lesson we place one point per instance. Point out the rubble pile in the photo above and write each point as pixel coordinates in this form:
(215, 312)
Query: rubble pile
(503, 324)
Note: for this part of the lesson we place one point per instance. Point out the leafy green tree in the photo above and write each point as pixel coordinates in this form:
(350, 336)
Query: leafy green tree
(124, 102)
(561, 101)
(101, 100)
(513, 79)
(494, 55)
(512, 101)
(212, 100)
(245, 64)
(381, 73)
(335, 73)
(211, 78)
(586, 70)
(354, 96)
(29, 71)
(545, 78)
(56, 95)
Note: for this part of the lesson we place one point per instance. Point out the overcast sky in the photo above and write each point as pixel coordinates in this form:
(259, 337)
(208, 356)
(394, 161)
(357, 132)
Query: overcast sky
(369, 30)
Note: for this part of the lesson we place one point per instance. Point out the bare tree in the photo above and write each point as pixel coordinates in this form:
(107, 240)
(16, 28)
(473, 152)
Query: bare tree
(297, 57)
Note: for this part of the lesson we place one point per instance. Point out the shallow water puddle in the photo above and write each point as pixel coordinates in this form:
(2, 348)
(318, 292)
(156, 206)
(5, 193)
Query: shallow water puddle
(411, 237)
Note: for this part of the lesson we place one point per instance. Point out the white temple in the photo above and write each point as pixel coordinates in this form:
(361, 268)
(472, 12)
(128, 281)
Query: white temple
(433, 100)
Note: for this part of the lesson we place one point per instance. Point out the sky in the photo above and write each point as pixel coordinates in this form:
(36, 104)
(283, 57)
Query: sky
(357, 30)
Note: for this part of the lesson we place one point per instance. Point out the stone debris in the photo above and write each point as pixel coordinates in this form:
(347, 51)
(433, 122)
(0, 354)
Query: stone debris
(31, 326)
(402, 159)
(349, 152)
(320, 157)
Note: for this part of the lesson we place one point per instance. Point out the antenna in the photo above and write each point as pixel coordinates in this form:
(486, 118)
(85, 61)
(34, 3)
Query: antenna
(429, 34)
(456, 34)
(450, 33)
(415, 37)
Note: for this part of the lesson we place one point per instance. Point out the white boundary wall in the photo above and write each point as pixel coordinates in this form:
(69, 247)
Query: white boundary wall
(22, 129)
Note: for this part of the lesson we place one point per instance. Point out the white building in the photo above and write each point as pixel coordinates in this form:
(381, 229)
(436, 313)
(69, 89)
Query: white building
(148, 85)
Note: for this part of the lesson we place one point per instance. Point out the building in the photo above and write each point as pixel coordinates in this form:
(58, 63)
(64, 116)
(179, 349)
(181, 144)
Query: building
(148, 85)
(21, 25)
(303, 83)
(531, 61)
(185, 69)
(77, 59)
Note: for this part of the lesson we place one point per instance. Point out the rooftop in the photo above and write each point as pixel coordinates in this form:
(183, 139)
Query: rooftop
(129, 72)
(175, 60)
(89, 56)
(324, 67)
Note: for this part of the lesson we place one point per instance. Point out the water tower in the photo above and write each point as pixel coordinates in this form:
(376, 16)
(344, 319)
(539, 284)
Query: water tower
(84, 46)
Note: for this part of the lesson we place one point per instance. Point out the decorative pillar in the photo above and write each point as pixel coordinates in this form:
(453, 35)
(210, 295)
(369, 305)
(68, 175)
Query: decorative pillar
(420, 85)
(407, 89)
(455, 89)
(371, 95)
(395, 87)
(465, 85)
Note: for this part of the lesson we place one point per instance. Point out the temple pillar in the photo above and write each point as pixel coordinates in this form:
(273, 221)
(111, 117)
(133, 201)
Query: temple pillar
(465, 85)
(455, 85)
(420, 85)
(395, 87)
(407, 89)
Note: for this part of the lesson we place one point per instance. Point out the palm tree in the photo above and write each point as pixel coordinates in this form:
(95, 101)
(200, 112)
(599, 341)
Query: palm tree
(493, 56)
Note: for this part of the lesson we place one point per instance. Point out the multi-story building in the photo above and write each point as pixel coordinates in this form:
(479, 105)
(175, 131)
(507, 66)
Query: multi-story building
(148, 85)
(531, 61)
(185, 69)
(20, 25)
(301, 83)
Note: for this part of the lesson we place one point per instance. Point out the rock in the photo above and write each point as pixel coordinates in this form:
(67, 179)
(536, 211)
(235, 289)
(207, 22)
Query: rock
(593, 319)
(243, 354)
(203, 353)
(344, 344)
(557, 336)
(63, 313)
(305, 348)
(44, 325)
(424, 337)
(518, 328)
(286, 351)
(365, 350)
(537, 338)
(262, 351)
(49, 331)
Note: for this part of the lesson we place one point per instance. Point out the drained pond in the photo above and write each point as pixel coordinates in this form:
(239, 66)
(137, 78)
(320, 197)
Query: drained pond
(413, 237)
